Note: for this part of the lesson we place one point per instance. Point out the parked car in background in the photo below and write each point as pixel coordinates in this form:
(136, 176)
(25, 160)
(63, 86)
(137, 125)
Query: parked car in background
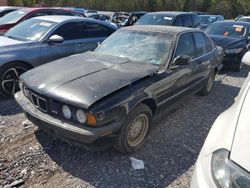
(245, 19)
(224, 158)
(206, 20)
(39, 40)
(15, 17)
(132, 19)
(90, 11)
(119, 17)
(234, 38)
(110, 96)
(102, 17)
(182, 19)
(199, 13)
(7, 9)
(238, 17)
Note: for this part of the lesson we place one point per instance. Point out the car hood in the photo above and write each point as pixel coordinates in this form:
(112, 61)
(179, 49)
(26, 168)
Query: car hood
(83, 79)
(7, 44)
(240, 152)
(225, 41)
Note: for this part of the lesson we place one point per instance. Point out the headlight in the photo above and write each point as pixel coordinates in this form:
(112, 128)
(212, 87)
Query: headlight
(233, 51)
(226, 174)
(80, 115)
(66, 112)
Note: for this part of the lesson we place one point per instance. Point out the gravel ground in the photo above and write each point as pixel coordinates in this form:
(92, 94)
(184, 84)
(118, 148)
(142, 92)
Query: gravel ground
(30, 158)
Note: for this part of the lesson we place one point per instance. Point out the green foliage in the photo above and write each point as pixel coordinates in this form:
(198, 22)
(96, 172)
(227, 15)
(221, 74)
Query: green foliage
(229, 8)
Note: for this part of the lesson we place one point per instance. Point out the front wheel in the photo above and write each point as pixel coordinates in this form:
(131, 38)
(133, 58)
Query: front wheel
(9, 78)
(134, 130)
(208, 85)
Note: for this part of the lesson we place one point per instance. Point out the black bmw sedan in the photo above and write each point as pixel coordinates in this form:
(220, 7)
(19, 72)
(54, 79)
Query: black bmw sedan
(234, 38)
(112, 95)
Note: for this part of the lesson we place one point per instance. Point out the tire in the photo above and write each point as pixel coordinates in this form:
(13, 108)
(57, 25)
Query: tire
(9, 77)
(125, 142)
(208, 85)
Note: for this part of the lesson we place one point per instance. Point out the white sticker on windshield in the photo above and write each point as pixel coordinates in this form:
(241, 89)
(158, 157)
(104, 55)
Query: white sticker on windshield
(46, 24)
(238, 26)
(20, 12)
(167, 18)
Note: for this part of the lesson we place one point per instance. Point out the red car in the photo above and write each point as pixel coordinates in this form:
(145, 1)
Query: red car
(15, 17)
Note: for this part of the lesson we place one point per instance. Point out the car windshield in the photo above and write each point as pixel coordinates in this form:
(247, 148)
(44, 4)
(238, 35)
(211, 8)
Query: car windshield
(30, 30)
(140, 46)
(13, 17)
(207, 19)
(244, 19)
(227, 29)
(152, 19)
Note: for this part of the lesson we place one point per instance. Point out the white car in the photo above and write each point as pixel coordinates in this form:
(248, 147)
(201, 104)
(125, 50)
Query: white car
(224, 160)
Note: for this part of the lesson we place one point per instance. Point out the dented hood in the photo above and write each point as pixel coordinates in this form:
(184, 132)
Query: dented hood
(83, 79)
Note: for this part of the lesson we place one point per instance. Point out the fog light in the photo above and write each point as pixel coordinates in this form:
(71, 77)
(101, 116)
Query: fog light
(66, 112)
(80, 115)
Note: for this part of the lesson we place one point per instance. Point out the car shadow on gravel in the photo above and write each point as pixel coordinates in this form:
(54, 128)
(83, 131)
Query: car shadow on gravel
(8, 107)
(171, 148)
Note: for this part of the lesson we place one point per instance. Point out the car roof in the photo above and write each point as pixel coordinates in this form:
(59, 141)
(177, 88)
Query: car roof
(31, 9)
(8, 8)
(245, 17)
(169, 13)
(246, 24)
(59, 18)
(210, 15)
(160, 29)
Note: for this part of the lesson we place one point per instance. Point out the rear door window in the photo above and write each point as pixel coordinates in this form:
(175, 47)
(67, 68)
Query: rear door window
(187, 19)
(93, 30)
(209, 45)
(200, 43)
(185, 46)
(196, 20)
(178, 21)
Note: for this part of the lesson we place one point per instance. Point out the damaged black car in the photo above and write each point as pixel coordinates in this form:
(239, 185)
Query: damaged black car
(111, 96)
(234, 38)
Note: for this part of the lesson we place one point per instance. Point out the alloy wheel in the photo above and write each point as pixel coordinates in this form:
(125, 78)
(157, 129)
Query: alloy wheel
(10, 80)
(137, 130)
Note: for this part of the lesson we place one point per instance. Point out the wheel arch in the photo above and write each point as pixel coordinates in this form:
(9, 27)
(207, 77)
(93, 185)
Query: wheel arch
(18, 61)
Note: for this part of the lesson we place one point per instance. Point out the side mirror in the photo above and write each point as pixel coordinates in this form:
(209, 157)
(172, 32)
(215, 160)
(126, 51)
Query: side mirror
(55, 39)
(182, 60)
(246, 58)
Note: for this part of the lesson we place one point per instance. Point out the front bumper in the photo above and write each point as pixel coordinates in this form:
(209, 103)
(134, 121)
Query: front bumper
(87, 137)
(202, 177)
(232, 60)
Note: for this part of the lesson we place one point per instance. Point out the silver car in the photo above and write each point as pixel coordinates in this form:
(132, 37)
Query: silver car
(43, 39)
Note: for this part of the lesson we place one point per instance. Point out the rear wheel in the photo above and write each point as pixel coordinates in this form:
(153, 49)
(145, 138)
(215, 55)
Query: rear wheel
(209, 83)
(9, 78)
(134, 130)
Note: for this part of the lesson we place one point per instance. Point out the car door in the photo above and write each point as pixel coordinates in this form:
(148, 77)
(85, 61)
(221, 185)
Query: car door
(177, 81)
(92, 34)
(71, 32)
(203, 58)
